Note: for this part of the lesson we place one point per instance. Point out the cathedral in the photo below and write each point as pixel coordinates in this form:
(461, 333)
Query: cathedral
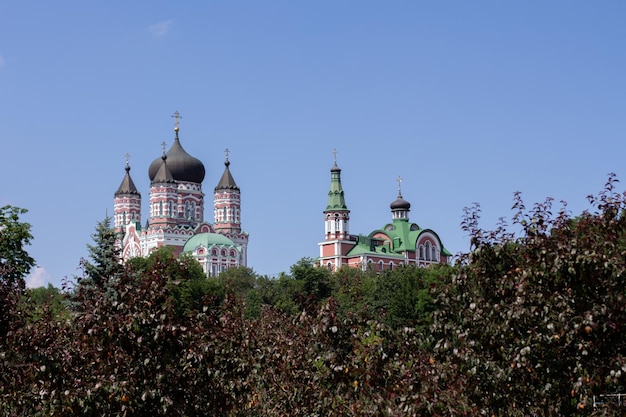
(397, 243)
(176, 212)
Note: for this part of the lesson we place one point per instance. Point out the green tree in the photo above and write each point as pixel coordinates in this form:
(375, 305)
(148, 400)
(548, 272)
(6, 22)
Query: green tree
(15, 262)
(104, 261)
(403, 296)
(314, 282)
(355, 291)
(46, 302)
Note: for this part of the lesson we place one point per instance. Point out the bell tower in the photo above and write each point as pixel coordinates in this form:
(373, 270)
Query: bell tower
(336, 223)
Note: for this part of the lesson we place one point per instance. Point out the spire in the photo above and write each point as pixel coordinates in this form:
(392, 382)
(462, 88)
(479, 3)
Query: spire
(227, 181)
(127, 186)
(336, 200)
(164, 174)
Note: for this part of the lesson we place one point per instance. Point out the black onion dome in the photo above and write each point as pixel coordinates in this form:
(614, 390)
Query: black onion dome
(400, 204)
(183, 166)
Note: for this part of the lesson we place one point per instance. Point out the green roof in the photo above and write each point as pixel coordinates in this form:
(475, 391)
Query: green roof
(365, 246)
(207, 240)
(404, 235)
(336, 200)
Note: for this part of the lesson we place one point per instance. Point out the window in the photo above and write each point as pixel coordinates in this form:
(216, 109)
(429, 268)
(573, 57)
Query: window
(380, 265)
(329, 265)
(421, 252)
(434, 254)
(391, 266)
(427, 250)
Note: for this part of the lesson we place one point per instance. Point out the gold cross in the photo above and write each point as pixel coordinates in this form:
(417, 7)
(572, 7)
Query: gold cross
(127, 156)
(177, 116)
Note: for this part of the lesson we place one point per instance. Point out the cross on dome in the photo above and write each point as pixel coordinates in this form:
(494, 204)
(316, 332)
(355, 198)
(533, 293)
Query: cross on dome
(399, 185)
(178, 117)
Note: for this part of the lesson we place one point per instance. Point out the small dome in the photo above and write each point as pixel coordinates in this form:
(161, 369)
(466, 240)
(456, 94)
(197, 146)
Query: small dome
(183, 166)
(400, 204)
(208, 240)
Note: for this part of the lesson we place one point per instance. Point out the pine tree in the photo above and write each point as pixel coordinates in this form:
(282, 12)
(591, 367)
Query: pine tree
(105, 262)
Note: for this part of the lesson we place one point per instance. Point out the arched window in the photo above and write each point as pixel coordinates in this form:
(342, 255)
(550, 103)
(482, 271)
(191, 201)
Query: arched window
(433, 253)
(427, 250)
(421, 252)
(329, 265)
(380, 265)
(391, 266)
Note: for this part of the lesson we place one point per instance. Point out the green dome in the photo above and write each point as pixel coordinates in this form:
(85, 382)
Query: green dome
(207, 240)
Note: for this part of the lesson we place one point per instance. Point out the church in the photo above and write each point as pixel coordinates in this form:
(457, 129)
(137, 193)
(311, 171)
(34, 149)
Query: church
(400, 242)
(176, 212)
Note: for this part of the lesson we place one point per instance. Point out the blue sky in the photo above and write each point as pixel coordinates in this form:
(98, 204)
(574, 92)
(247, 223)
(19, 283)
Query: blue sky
(467, 101)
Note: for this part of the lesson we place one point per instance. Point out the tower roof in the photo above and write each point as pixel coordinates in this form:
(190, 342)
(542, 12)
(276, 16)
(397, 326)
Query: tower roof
(163, 175)
(336, 199)
(183, 166)
(400, 204)
(127, 186)
(227, 181)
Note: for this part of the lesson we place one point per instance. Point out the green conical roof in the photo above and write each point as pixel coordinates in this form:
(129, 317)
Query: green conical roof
(336, 200)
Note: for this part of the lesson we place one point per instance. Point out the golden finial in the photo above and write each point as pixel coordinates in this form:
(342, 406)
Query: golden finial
(178, 117)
